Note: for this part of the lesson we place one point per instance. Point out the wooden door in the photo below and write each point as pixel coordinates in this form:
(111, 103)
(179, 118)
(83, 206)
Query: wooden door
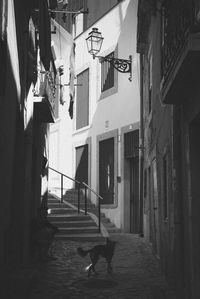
(106, 170)
(156, 233)
(134, 195)
(82, 163)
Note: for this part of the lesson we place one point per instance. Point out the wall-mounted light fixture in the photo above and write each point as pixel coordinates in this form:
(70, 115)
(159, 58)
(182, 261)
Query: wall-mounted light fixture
(94, 43)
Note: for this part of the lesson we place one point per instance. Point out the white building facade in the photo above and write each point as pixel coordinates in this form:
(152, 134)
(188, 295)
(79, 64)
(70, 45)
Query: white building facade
(104, 143)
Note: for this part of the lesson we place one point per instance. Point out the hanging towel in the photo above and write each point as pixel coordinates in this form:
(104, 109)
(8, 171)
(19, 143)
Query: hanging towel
(3, 18)
(71, 80)
(44, 34)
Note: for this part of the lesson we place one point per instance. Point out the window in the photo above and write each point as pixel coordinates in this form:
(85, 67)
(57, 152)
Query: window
(82, 100)
(165, 187)
(131, 144)
(78, 24)
(107, 74)
(82, 163)
(74, 23)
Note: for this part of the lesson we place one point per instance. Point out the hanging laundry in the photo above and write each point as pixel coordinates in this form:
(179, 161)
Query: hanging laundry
(3, 44)
(62, 101)
(44, 34)
(71, 80)
(3, 18)
(32, 54)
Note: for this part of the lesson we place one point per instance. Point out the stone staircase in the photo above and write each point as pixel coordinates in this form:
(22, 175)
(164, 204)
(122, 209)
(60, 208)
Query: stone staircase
(71, 197)
(72, 225)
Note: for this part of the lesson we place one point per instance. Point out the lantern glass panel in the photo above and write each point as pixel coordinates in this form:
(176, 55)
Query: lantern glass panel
(94, 41)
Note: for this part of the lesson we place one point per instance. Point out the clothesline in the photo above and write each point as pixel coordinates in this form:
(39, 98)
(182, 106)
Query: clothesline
(66, 11)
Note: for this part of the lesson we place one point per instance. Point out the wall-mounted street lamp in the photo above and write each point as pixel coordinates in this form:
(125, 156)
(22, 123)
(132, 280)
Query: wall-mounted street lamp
(94, 43)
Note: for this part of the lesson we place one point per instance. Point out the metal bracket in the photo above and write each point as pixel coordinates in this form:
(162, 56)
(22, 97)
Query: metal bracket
(121, 65)
(67, 11)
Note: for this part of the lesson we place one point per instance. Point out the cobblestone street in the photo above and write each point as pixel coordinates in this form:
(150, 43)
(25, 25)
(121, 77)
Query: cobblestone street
(136, 273)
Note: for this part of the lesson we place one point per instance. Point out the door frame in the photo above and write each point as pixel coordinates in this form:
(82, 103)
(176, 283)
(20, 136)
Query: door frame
(78, 144)
(155, 206)
(101, 137)
(125, 177)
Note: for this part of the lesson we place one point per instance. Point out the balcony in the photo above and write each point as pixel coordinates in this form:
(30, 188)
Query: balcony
(43, 111)
(180, 46)
(46, 99)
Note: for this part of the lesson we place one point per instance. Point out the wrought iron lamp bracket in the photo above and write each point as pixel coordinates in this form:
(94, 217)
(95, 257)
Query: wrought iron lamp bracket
(121, 65)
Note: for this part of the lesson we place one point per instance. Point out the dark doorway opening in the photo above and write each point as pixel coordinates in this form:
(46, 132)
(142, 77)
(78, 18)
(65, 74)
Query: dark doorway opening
(131, 153)
(82, 163)
(106, 170)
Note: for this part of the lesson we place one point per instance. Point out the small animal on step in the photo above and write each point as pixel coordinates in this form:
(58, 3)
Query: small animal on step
(106, 251)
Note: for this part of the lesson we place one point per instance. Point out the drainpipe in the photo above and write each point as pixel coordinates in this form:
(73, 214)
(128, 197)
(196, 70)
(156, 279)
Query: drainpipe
(141, 179)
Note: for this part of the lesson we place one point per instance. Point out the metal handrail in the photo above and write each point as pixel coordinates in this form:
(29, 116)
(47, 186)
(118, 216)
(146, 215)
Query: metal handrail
(80, 184)
(83, 183)
(68, 177)
(99, 206)
(65, 175)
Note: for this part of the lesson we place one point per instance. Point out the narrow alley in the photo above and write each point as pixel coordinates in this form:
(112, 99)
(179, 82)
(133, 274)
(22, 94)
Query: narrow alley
(99, 138)
(136, 273)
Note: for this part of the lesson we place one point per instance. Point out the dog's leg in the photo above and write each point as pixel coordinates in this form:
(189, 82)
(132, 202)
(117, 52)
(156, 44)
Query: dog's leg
(109, 267)
(94, 260)
(89, 270)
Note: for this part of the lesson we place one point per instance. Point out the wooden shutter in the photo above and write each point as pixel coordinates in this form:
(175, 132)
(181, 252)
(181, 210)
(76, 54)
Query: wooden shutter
(106, 170)
(107, 74)
(82, 163)
(131, 144)
(82, 103)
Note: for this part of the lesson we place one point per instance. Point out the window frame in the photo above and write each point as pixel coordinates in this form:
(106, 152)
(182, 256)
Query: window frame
(88, 100)
(114, 88)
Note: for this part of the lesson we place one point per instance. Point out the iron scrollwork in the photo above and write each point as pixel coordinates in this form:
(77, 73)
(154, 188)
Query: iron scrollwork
(121, 65)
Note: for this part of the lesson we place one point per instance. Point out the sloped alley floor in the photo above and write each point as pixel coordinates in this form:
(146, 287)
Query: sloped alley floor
(136, 273)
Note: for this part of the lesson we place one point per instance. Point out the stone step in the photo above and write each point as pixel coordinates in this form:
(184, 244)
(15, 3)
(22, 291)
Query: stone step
(75, 217)
(77, 230)
(81, 237)
(72, 191)
(73, 196)
(74, 223)
(53, 200)
(53, 205)
(62, 211)
(75, 200)
(82, 205)
(59, 214)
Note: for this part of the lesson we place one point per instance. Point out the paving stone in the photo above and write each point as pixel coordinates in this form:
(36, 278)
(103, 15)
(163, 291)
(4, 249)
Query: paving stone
(136, 273)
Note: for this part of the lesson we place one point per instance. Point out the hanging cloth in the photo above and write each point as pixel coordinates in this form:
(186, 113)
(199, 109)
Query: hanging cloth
(3, 44)
(44, 34)
(3, 18)
(71, 80)
(32, 54)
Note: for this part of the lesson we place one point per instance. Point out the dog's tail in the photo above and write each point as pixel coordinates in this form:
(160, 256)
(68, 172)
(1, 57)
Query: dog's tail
(82, 252)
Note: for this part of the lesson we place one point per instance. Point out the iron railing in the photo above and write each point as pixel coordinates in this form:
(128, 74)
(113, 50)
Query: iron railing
(99, 201)
(80, 186)
(62, 186)
(177, 19)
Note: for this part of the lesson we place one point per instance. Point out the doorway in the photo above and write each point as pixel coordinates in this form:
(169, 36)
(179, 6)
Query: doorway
(134, 195)
(155, 209)
(82, 163)
(194, 150)
(106, 170)
(131, 177)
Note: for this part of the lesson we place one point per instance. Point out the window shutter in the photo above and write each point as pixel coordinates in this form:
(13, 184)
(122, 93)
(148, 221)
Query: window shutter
(107, 74)
(82, 104)
(131, 144)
